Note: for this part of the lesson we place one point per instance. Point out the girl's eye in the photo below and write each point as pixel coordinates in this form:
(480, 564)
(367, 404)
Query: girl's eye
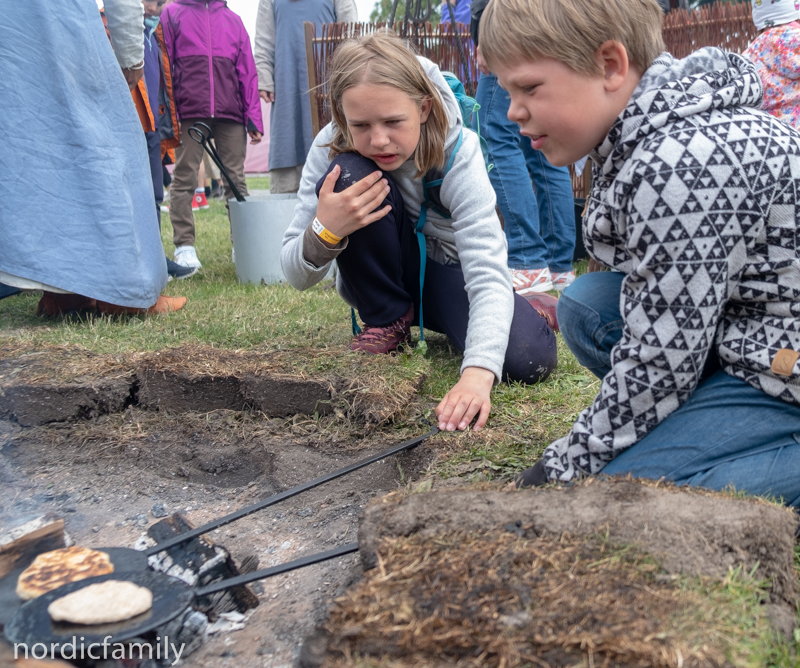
(529, 89)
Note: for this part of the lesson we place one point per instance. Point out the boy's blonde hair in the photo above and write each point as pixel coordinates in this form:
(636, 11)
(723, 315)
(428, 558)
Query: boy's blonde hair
(570, 31)
(382, 59)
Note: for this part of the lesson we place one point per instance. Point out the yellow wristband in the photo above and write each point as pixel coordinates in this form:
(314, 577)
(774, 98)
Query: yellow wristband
(323, 233)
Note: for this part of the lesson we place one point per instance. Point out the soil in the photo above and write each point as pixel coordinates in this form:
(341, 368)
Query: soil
(687, 531)
(113, 477)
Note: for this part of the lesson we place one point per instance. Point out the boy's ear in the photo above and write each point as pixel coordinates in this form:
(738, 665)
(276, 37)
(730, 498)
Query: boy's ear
(612, 61)
(425, 109)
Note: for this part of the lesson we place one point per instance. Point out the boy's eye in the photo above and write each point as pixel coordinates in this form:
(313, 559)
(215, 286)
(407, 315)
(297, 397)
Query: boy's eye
(529, 89)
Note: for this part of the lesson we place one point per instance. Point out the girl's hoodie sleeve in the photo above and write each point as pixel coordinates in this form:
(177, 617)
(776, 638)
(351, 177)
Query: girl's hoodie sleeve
(248, 83)
(482, 251)
(301, 273)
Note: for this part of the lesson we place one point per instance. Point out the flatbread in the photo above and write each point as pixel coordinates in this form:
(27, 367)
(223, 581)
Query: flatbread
(102, 603)
(53, 569)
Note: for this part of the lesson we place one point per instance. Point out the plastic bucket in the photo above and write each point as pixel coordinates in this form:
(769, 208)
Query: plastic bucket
(257, 228)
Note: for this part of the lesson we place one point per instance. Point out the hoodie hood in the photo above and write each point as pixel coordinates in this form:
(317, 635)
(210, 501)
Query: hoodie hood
(670, 89)
(450, 103)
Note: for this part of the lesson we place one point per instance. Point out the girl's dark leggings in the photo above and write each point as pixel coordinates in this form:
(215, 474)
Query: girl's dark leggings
(380, 273)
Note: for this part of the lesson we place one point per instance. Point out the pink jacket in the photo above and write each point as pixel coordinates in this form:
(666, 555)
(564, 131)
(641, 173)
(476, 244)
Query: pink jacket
(213, 71)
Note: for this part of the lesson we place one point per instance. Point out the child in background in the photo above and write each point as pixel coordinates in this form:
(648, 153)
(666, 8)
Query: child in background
(395, 121)
(776, 55)
(214, 79)
(695, 203)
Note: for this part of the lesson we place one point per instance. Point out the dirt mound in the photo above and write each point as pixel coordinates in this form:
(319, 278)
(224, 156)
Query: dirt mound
(64, 383)
(687, 531)
(496, 599)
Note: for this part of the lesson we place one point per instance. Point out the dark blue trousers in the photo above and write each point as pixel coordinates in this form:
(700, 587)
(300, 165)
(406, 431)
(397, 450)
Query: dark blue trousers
(380, 274)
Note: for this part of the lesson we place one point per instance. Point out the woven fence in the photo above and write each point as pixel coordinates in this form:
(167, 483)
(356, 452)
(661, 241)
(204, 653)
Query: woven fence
(727, 25)
(437, 43)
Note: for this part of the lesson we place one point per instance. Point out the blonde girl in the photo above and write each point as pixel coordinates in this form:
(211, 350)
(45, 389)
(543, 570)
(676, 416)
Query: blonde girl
(396, 126)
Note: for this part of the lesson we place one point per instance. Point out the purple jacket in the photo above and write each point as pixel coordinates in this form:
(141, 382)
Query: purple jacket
(213, 71)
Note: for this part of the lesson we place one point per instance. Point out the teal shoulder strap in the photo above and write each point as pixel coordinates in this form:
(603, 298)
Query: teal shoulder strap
(423, 216)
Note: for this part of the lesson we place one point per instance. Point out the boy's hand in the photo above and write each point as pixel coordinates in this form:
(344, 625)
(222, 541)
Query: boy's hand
(133, 74)
(255, 136)
(354, 208)
(267, 96)
(468, 398)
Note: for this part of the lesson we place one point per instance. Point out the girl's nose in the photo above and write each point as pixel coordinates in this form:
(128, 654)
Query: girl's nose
(379, 139)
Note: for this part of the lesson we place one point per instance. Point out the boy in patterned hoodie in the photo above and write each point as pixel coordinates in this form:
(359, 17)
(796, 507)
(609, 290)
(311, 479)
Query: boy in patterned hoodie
(694, 205)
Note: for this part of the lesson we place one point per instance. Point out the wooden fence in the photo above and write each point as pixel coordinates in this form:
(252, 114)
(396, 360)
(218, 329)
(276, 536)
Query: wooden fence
(727, 25)
(438, 43)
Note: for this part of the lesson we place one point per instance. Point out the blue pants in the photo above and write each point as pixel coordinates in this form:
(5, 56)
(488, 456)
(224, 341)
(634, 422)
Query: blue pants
(727, 433)
(380, 275)
(539, 221)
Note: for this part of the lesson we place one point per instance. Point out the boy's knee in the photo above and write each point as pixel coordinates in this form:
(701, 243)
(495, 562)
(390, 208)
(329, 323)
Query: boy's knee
(354, 168)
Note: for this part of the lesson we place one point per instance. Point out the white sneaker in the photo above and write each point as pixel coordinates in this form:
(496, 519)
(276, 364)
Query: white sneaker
(526, 281)
(562, 279)
(187, 257)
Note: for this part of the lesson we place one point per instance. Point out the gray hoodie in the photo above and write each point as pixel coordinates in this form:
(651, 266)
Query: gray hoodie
(472, 236)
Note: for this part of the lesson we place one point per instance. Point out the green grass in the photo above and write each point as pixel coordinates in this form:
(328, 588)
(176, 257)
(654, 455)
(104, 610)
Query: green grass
(258, 182)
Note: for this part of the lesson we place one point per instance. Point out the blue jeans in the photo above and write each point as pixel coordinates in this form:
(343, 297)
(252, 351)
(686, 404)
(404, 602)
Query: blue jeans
(727, 433)
(540, 220)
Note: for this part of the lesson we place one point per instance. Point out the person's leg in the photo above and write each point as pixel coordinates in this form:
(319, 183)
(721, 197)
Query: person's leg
(371, 266)
(154, 153)
(589, 319)
(531, 352)
(184, 180)
(510, 179)
(285, 179)
(553, 189)
(230, 139)
(727, 433)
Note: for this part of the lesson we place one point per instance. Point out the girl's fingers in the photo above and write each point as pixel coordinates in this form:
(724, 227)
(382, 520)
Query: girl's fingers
(360, 187)
(330, 181)
(484, 415)
(377, 215)
(471, 411)
(372, 198)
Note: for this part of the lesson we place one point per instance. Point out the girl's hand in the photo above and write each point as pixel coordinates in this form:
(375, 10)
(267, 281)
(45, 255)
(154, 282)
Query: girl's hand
(255, 136)
(468, 398)
(354, 208)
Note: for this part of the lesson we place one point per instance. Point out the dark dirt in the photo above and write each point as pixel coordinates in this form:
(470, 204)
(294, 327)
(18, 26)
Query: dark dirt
(686, 531)
(113, 477)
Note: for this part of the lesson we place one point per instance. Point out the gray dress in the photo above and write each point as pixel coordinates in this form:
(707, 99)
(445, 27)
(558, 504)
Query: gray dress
(281, 62)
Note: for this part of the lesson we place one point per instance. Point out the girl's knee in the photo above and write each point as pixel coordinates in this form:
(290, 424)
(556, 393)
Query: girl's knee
(532, 360)
(354, 167)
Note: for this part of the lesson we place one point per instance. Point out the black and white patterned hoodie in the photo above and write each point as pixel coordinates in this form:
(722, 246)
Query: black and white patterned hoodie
(695, 199)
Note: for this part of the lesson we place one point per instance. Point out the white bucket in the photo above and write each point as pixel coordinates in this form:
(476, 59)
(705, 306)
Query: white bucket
(257, 228)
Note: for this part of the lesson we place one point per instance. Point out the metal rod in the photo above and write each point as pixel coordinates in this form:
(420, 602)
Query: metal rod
(294, 491)
(205, 141)
(264, 573)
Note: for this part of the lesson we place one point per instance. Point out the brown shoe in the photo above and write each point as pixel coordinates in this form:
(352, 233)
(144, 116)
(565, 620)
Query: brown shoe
(382, 340)
(545, 306)
(53, 304)
(162, 305)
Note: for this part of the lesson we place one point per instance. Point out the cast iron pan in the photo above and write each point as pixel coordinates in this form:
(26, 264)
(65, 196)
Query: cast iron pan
(31, 624)
(129, 560)
(123, 558)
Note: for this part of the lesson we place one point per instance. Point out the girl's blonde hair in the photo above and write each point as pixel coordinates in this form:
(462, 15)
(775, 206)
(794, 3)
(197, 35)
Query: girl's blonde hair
(382, 59)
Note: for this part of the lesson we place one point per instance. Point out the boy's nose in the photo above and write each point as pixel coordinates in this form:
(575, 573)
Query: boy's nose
(517, 113)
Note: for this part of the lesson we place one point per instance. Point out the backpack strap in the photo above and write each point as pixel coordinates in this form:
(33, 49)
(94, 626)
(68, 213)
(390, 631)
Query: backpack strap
(431, 189)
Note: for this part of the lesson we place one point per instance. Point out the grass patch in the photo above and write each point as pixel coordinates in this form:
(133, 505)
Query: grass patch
(257, 183)
(491, 599)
